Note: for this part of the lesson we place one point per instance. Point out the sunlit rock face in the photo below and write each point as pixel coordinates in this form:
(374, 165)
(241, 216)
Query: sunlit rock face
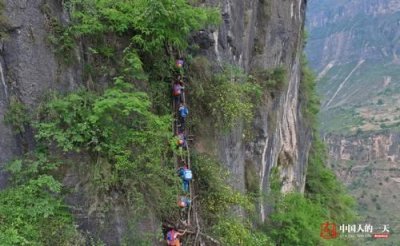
(379, 146)
(264, 35)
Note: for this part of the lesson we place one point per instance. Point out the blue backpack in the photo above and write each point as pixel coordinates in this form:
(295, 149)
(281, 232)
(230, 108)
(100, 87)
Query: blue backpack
(171, 237)
(187, 174)
(184, 111)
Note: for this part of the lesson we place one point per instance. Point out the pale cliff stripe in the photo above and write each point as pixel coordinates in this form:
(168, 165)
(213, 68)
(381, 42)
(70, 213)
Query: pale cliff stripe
(262, 174)
(325, 70)
(215, 35)
(345, 80)
(3, 81)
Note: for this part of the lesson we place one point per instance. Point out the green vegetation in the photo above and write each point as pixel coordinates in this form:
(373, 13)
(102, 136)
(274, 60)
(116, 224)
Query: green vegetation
(216, 198)
(111, 125)
(127, 143)
(127, 146)
(322, 186)
(4, 24)
(270, 79)
(122, 137)
(311, 101)
(234, 232)
(231, 98)
(154, 24)
(296, 219)
(17, 115)
(60, 36)
(226, 98)
(31, 210)
(156, 30)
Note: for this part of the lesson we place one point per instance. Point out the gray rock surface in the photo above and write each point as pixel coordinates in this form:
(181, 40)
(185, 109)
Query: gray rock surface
(264, 35)
(30, 67)
(365, 147)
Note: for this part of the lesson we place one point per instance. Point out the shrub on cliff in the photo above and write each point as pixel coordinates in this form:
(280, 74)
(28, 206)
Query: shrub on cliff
(127, 144)
(226, 98)
(31, 208)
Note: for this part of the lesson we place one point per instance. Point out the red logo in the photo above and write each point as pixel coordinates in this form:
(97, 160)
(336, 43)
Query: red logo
(328, 231)
(382, 235)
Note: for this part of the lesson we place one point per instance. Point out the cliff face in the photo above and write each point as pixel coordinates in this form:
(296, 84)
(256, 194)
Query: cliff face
(254, 34)
(379, 146)
(29, 67)
(268, 36)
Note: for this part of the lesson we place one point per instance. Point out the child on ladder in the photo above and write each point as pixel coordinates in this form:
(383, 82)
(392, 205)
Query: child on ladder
(173, 237)
(186, 175)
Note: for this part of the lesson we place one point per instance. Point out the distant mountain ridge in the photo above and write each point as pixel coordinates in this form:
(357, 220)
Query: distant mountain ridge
(354, 48)
(343, 31)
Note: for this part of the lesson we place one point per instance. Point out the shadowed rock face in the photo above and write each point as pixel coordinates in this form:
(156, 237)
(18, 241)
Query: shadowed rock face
(30, 67)
(254, 34)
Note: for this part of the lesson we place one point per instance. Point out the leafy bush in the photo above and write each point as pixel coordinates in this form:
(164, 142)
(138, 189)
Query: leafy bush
(322, 187)
(271, 78)
(308, 92)
(231, 99)
(17, 115)
(31, 210)
(153, 23)
(226, 98)
(234, 232)
(59, 35)
(215, 194)
(118, 119)
(216, 201)
(127, 143)
(155, 30)
(296, 221)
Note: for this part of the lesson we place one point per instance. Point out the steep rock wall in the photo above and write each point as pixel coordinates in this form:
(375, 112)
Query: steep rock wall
(29, 67)
(264, 35)
(378, 146)
(254, 33)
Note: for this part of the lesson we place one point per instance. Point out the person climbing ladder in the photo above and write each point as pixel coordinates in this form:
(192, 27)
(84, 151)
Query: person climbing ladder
(177, 93)
(184, 203)
(183, 113)
(186, 175)
(173, 237)
(180, 113)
